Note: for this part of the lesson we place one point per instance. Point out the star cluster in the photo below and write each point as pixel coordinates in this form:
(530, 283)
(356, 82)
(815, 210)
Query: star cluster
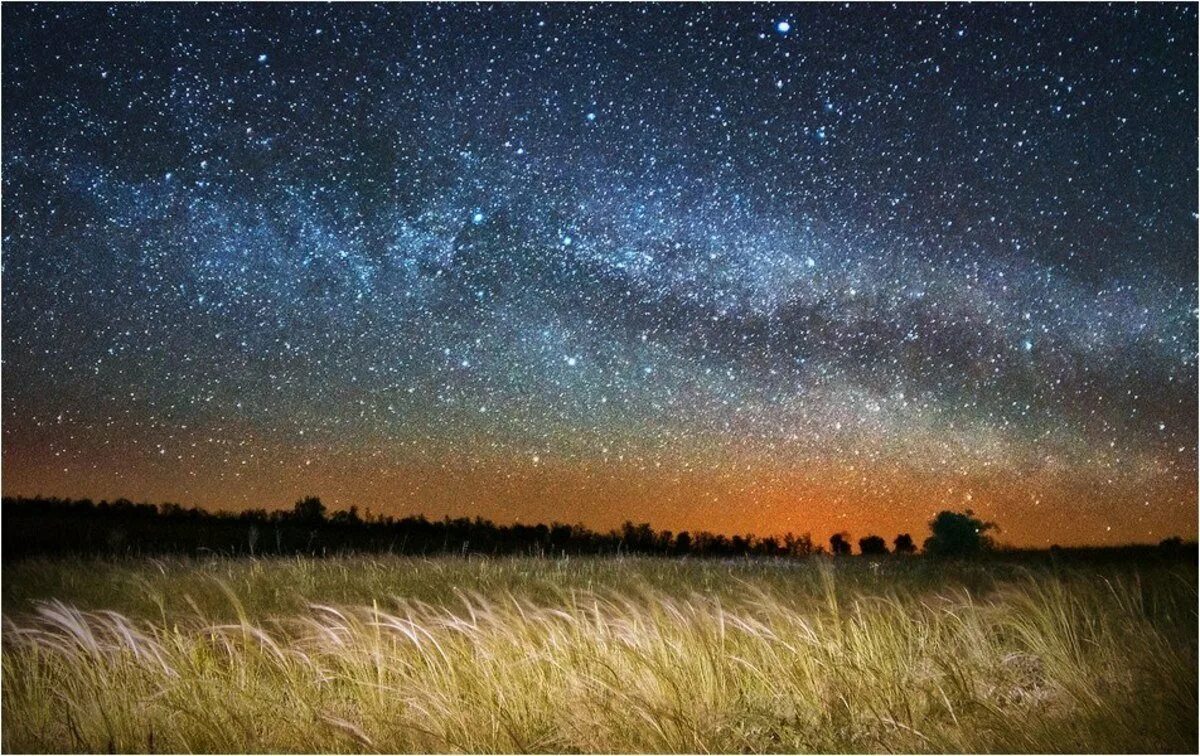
(745, 268)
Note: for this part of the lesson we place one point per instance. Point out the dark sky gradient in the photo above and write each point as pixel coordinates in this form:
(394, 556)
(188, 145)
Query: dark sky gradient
(745, 268)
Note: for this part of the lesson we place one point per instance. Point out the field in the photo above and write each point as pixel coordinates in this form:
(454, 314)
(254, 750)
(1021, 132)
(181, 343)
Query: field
(400, 654)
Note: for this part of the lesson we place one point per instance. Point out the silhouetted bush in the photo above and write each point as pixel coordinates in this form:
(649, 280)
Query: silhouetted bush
(1171, 546)
(872, 545)
(904, 544)
(839, 544)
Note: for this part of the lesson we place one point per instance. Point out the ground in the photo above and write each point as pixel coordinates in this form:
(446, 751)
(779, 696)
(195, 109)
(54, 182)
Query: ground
(625, 655)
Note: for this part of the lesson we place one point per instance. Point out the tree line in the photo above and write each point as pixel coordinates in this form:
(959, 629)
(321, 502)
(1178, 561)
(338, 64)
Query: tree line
(81, 526)
(48, 526)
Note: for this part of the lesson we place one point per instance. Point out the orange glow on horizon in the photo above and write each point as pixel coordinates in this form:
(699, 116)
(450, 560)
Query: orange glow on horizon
(821, 500)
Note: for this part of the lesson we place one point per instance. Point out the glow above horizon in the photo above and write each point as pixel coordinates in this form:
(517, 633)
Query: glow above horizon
(663, 263)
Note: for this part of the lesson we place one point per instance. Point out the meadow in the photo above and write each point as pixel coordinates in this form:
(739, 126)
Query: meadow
(402, 654)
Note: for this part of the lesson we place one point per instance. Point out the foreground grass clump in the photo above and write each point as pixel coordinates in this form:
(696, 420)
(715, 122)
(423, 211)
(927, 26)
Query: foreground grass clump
(397, 654)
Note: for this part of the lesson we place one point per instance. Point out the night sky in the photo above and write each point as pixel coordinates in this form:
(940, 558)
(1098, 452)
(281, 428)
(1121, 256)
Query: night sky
(739, 268)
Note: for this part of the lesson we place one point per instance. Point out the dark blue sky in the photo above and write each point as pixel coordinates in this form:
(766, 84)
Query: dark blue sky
(752, 267)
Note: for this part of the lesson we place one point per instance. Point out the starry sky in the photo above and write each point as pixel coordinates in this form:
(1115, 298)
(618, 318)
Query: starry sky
(746, 268)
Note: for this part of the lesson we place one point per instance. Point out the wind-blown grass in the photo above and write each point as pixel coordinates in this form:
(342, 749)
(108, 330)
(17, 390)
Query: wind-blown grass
(596, 655)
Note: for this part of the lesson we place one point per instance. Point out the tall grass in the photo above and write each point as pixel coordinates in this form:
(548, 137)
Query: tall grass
(596, 655)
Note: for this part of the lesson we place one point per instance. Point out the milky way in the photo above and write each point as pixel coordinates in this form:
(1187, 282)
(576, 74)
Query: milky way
(746, 268)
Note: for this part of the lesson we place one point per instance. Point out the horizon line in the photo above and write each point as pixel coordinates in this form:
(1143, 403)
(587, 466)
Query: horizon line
(999, 546)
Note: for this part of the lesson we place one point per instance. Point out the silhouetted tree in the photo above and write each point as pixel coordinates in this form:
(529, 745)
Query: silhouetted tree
(638, 539)
(872, 545)
(663, 541)
(683, 542)
(904, 544)
(800, 546)
(309, 510)
(958, 534)
(769, 546)
(346, 517)
(839, 544)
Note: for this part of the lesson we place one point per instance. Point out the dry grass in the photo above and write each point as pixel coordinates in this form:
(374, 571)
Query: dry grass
(595, 655)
